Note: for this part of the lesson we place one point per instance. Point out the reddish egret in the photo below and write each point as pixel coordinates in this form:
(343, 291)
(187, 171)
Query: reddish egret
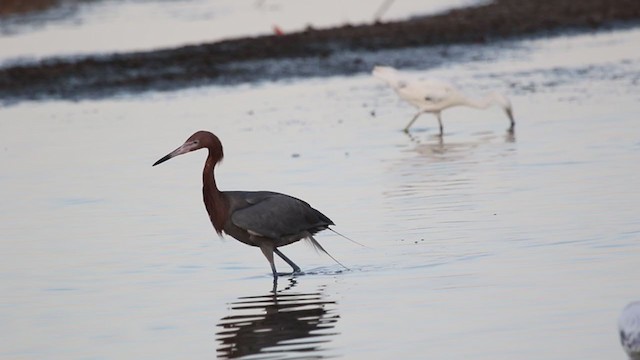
(433, 96)
(629, 327)
(264, 219)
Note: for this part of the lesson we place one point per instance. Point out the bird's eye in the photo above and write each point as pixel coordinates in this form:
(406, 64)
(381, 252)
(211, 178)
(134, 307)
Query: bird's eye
(428, 98)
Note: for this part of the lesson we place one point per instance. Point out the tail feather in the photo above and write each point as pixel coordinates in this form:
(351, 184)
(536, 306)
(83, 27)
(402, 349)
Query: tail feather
(317, 246)
(346, 237)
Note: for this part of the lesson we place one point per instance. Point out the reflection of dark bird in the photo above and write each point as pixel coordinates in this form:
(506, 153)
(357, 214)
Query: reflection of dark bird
(433, 96)
(264, 219)
(290, 324)
(629, 327)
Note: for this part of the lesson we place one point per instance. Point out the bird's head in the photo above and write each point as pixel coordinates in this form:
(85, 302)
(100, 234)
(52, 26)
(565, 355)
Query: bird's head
(386, 73)
(505, 104)
(377, 69)
(200, 139)
(509, 111)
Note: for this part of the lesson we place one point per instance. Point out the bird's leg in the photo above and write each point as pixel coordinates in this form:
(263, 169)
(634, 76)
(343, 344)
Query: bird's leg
(406, 128)
(267, 250)
(296, 268)
(440, 123)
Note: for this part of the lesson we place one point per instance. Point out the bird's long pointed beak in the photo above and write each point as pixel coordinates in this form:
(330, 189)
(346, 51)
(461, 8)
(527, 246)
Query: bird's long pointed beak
(165, 158)
(183, 149)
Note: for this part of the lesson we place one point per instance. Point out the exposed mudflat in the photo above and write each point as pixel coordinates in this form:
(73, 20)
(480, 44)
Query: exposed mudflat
(326, 52)
(12, 7)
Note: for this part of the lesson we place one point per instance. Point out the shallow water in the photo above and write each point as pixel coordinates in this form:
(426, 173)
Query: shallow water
(107, 26)
(481, 245)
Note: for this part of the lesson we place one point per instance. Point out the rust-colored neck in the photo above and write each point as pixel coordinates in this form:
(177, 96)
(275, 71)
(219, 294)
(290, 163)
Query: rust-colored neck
(215, 201)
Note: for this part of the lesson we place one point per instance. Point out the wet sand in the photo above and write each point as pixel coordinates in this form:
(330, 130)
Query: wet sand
(326, 52)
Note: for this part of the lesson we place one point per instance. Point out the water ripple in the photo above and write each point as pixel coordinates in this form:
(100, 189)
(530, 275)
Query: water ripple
(278, 324)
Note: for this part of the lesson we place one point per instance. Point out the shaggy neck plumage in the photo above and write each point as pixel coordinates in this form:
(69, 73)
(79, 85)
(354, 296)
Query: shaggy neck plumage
(215, 202)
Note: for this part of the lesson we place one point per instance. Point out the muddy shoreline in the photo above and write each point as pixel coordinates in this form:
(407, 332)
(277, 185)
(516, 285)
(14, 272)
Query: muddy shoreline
(308, 53)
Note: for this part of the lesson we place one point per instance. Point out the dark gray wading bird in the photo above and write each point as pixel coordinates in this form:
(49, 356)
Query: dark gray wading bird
(264, 219)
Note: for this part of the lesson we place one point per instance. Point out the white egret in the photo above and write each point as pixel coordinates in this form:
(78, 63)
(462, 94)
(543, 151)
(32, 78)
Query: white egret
(433, 96)
(629, 327)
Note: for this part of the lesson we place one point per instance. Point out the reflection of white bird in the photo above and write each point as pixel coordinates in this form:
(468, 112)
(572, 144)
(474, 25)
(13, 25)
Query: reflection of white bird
(433, 96)
(629, 327)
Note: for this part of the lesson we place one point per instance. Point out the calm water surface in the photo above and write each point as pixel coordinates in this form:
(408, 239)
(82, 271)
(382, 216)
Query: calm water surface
(481, 245)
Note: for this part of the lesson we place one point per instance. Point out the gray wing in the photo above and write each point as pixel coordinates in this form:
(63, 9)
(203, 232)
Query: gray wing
(275, 215)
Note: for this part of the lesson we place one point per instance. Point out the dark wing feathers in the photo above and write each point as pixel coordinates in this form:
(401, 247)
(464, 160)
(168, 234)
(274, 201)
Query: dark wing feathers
(276, 215)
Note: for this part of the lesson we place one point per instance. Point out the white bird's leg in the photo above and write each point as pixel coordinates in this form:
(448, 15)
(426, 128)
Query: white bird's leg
(296, 268)
(406, 128)
(440, 123)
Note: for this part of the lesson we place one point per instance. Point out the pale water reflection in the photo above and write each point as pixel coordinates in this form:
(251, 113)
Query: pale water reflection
(439, 148)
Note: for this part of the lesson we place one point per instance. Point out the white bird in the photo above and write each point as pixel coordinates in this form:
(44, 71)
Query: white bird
(433, 96)
(629, 327)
